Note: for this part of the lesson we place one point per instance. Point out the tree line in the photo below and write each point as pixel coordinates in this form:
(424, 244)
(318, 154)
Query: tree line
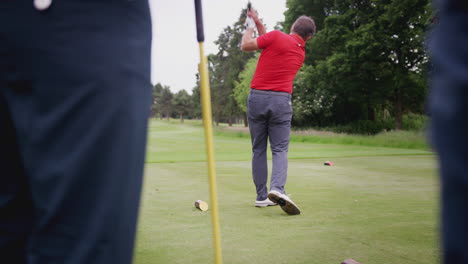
(166, 104)
(365, 69)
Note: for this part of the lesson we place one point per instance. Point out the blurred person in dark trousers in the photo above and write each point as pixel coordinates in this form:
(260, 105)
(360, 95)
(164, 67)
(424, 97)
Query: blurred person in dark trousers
(448, 104)
(74, 103)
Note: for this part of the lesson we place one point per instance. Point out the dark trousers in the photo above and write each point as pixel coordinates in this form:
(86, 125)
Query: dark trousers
(449, 127)
(74, 102)
(269, 115)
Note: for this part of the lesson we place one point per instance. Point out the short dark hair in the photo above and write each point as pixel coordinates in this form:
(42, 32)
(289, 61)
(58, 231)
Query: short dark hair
(304, 26)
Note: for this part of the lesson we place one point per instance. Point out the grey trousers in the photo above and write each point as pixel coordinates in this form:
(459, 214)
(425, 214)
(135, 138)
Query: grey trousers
(269, 115)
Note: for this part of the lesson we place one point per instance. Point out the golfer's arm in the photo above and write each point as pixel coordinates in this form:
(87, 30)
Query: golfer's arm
(260, 27)
(248, 43)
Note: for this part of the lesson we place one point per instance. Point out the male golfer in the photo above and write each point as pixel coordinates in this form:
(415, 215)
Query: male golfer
(74, 103)
(269, 103)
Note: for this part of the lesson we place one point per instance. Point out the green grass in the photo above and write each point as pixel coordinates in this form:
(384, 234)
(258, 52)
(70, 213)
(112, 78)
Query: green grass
(376, 205)
(392, 139)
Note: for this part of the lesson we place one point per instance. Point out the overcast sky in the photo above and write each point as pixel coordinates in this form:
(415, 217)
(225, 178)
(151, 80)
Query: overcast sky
(175, 53)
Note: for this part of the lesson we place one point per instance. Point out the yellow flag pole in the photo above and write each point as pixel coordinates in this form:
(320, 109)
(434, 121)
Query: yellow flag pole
(207, 122)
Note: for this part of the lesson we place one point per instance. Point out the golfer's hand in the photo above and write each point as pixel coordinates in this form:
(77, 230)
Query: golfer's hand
(253, 14)
(249, 23)
(258, 23)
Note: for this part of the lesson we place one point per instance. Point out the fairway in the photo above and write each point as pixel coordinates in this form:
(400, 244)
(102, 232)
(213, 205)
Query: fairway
(376, 204)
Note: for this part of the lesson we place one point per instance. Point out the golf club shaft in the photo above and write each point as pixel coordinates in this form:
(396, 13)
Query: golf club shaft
(207, 122)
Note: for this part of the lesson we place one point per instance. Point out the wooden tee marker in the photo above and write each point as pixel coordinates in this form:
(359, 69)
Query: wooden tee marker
(203, 206)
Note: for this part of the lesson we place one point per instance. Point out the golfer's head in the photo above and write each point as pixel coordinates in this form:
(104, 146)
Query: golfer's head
(304, 26)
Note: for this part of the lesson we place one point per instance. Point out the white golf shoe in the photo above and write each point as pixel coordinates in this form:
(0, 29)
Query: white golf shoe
(264, 203)
(285, 202)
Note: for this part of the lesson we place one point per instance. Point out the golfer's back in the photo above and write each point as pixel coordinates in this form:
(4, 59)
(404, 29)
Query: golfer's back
(281, 58)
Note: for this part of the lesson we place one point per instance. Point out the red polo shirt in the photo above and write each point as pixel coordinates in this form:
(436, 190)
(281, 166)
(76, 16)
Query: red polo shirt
(279, 62)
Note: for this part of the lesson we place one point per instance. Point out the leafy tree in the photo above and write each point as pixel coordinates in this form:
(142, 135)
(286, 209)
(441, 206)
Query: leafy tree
(182, 103)
(317, 9)
(166, 101)
(218, 96)
(313, 103)
(156, 98)
(405, 23)
(225, 67)
(367, 59)
(242, 87)
(196, 110)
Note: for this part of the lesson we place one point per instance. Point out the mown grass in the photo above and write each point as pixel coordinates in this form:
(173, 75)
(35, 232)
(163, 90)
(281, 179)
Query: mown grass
(392, 139)
(376, 204)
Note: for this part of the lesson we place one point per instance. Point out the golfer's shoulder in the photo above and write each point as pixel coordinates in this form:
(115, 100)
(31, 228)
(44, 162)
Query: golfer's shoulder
(280, 35)
(276, 33)
(272, 36)
(272, 33)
